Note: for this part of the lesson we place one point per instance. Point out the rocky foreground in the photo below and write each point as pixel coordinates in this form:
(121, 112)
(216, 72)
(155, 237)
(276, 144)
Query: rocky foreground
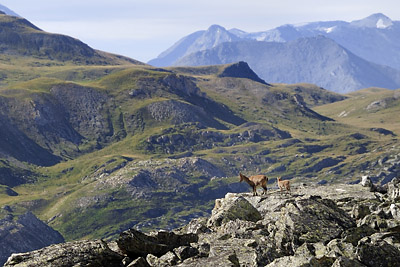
(332, 225)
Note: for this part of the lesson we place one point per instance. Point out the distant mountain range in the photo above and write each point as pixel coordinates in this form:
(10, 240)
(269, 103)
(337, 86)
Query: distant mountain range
(106, 143)
(350, 56)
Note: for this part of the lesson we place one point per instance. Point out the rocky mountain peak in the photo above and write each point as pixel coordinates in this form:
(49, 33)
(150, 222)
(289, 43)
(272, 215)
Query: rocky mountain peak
(377, 20)
(214, 36)
(215, 28)
(241, 70)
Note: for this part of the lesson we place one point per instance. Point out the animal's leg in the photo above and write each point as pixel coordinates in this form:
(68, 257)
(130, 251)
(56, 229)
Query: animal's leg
(265, 190)
(254, 191)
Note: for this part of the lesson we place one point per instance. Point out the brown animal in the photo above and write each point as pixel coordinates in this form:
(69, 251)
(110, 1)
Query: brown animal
(283, 184)
(254, 181)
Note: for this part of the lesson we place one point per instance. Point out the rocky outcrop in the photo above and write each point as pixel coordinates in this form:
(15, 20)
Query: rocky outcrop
(241, 70)
(24, 233)
(137, 244)
(79, 253)
(189, 139)
(335, 225)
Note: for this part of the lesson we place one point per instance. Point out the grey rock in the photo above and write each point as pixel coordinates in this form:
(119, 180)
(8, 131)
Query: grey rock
(394, 189)
(360, 211)
(395, 211)
(377, 253)
(139, 262)
(310, 220)
(136, 244)
(26, 233)
(374, 221)
(345, 262)
(79, 253)
(366, 181)
(195, 226)
(168, 259)
(185, 252)
(301, 261)
(231, 209)
(221, 260)
(338, 247)
(353, 235)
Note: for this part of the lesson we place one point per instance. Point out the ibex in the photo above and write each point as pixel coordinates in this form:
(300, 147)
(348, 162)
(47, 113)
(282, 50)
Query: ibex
(283, 184)
(254, 181)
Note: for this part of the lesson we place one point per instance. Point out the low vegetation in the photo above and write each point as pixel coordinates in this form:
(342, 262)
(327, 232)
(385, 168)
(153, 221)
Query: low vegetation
(101, 146)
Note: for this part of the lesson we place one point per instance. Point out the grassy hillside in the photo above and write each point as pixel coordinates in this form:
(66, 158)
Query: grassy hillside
(368, 108)
(170, 143)
(97, 143)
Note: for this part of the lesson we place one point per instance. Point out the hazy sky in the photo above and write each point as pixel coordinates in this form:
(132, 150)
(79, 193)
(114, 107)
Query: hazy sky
(142, 29)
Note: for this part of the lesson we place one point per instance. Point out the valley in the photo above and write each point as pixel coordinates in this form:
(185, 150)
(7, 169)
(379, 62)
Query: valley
(94, 143)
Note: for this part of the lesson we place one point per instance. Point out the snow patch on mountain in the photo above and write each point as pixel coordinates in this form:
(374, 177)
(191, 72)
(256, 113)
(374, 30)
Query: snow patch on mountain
(381, 24)
(377, 20)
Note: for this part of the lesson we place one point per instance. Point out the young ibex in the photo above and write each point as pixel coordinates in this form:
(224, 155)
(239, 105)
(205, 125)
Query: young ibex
(283, 184)
(254, 181)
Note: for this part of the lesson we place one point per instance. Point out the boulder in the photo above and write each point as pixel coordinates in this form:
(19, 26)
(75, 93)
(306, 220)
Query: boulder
(136, 244)
(353, 235)
(232, 209)
(79, 253)
(366, 181)
(302, 261)
(139, 262)
(311, 220)
(337, 247)
(374, 221)
(168, 259)
(395, 211)
(243, 249)
(359, 211)
(377, 253)
(394, 189)
(195, 226)
(185, 252)
(221, 260)
(345, 262)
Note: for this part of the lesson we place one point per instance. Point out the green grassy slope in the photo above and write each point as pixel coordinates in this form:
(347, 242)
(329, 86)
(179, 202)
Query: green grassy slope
(133, 181)
(124, 144)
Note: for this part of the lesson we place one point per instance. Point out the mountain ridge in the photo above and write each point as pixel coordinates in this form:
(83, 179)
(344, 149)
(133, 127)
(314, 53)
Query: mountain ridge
(21, 37)
(317, 60)
(152, 148)
(373, 39)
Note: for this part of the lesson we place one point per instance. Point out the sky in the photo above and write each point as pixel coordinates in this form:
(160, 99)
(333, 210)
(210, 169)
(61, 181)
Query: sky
(142, 29)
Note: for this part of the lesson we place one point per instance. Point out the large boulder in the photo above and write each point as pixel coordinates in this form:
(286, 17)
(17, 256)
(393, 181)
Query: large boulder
(311, 219)
(79, 253)
(232, 208)
(137, 244)
(377, 252)
(394, 189)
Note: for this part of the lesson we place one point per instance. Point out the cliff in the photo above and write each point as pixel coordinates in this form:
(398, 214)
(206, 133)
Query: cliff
(24, 233)
(335, 225)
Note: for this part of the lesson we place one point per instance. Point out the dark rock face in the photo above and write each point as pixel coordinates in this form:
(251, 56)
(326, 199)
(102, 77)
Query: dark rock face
(316, 226)
(377, 253)
(241, 70)
(136, 244)
(25, 234)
